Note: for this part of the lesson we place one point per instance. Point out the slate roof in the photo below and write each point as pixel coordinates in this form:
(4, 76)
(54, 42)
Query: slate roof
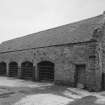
(70, 33)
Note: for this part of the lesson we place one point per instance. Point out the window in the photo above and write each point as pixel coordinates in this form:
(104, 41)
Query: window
(92, 62)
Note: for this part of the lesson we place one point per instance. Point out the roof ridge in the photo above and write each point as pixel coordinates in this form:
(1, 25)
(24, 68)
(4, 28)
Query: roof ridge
(72, 23)
(79, 31)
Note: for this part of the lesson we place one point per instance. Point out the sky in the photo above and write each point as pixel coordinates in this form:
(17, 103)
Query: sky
(21, 17)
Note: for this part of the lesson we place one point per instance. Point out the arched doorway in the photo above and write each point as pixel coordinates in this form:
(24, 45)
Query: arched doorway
(3, 68)
(13, 69)
(27, 71)
(46, 71)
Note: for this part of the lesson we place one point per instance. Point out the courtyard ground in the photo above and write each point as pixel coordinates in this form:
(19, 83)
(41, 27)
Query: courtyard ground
(21, 92)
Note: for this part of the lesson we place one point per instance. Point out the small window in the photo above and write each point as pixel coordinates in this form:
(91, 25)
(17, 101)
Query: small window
(92, 57)
(92, 62)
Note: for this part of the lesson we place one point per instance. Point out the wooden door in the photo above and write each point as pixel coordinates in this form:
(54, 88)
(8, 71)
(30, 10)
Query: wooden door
(80, 74)
(46, 71)
(103, 81)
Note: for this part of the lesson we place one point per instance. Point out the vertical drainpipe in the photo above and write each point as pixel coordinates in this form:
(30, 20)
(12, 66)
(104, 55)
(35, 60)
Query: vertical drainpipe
(100, 65)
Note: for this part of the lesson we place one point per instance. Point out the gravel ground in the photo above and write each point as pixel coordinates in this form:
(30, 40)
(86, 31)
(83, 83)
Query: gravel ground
(20, 92)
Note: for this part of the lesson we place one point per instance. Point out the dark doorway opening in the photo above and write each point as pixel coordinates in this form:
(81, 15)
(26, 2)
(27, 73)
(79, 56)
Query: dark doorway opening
(13, 69)
(46, 71)
(80, 74)
(2, 68)
(27, 71)
(103, 81)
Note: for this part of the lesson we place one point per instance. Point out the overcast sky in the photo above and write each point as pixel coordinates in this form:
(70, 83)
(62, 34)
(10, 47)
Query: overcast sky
(22, 17)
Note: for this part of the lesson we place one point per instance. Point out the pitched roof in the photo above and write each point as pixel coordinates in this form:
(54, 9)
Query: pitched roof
(70, 33)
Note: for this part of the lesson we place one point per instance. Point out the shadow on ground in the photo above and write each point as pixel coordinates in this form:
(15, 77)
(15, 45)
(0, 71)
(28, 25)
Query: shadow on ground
(17, 93)
(88, 100)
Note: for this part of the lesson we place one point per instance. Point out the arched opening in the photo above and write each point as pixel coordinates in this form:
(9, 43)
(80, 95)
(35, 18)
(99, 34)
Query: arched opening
(3, 68)
(27, 71)
(46, 71)
(13, 69)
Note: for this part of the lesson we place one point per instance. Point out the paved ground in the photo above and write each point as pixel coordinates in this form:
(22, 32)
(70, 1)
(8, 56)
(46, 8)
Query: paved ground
(20, 92)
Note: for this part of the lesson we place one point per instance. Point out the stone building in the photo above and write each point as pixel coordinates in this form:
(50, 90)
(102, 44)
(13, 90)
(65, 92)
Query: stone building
(71, 54)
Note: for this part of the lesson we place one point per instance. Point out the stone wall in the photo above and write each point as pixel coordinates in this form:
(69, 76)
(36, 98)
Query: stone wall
(102, 56)
(65, 58)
